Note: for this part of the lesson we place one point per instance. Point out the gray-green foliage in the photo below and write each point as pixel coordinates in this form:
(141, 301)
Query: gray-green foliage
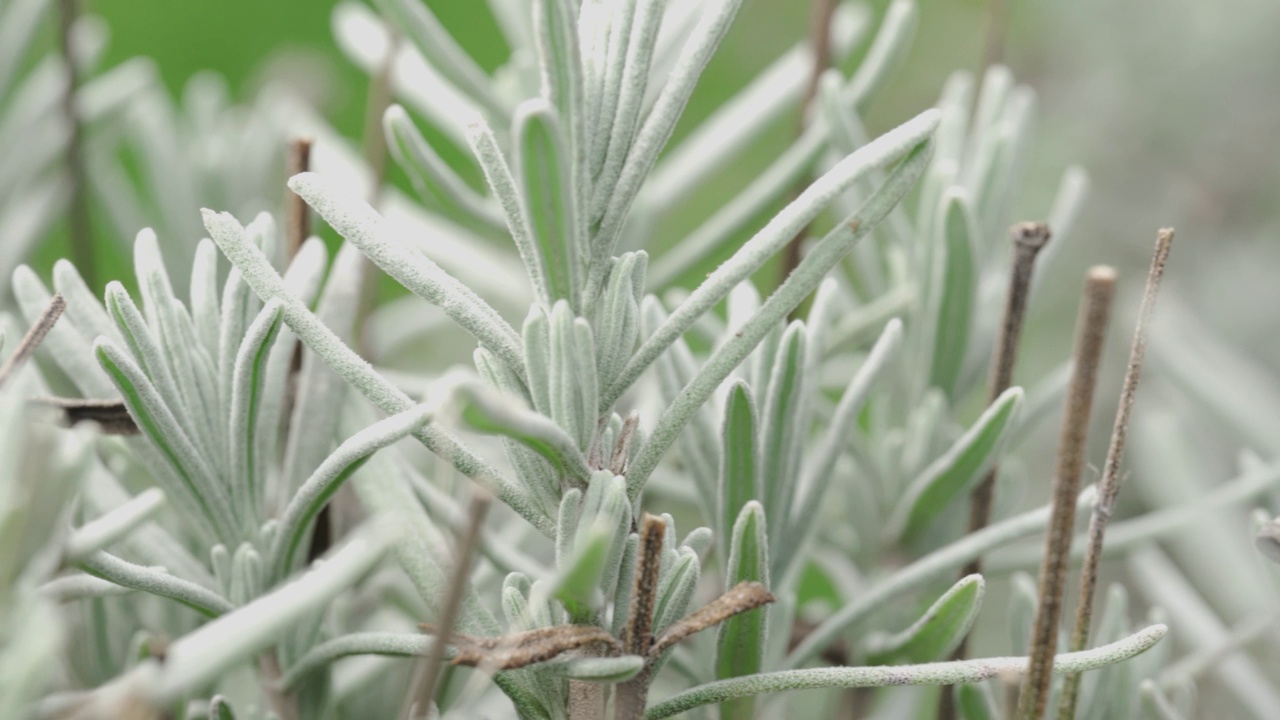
(834, 444)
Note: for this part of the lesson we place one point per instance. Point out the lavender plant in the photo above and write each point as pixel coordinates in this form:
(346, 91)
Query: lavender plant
(801, 451)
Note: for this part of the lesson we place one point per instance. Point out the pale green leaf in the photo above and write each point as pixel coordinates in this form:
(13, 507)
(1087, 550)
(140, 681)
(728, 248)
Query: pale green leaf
(952, 475)
(937, 632)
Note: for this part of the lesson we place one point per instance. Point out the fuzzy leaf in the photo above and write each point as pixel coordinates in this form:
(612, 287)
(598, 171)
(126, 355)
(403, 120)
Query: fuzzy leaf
(941, 673)
(954, 474)
(199, 657)
(432, 177)
(365, 228)
(740, 462)
(953, 309)
(306, 504)
(618, 323)
(798, 286)
(485, 411)
(576, 586)
(594, 669)
(203, 499)
(935, 634)
(606, 506)
(784, 429)
(740, 640)
(246, 403)
(545, 168)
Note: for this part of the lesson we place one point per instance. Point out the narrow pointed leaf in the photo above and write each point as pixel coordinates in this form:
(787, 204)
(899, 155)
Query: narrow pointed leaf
(485, 411)
(784, 426)
(937, 632)
(740, 640)
(203, 655)
(204, 500)
(576, 586)
(594, 669)
(432, 177)
(740, 461)
(365, 228)
(954, 474)
(618, 323)
(955, 301)
(940, 673)
(329, 477)
(246, 405)
(798, 286)
(545, 169)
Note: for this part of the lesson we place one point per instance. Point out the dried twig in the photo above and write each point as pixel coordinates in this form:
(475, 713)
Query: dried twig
(422, 691)
(743, 597)
(637, 636)
(1109, 486)
(297, 230)
(1091, 332)
(622, 450)
(111, 415)
(1028, 240)
(511, 652)
(81, 225)
(297, 213)
(33, 338)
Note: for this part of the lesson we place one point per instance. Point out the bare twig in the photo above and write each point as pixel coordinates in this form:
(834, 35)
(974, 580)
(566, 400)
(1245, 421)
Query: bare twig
(81, 225)
(111, 415)
(1028, 240)
(421, 692)
(637, 636)
(297, 230)
(33, 338)
(743, 597)
(1109, 486)
(298, 214)
(1091, 332)
(820, 43)
(511, 652)
(622, 450)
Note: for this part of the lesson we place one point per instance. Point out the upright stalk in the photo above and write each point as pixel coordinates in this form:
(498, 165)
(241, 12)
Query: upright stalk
(1091, 332)
(1028, 240)
(297, 212)
(1109, 487)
